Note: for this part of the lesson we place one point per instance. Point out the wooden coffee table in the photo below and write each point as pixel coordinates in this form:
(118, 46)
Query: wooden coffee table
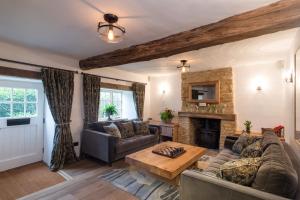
(168, 168)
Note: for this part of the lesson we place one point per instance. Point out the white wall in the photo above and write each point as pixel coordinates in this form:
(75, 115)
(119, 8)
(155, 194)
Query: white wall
(37, 56)
(171, 99)
(265, 108)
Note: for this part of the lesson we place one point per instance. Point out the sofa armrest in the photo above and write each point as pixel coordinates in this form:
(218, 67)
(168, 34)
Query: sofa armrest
(99, 145)
(195, 185)
(229, 141)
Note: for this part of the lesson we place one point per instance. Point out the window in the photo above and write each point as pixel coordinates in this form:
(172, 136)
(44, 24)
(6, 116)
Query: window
(108, 96)
(123, 100)
(18, 102)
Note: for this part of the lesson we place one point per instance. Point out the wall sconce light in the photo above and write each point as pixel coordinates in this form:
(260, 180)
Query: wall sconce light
(259, 88)
(289, 77)
(164, 88)
(259, 83)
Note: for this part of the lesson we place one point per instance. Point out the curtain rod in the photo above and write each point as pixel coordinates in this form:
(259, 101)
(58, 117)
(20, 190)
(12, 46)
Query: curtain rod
(116, 79)
(76, 72)
(34, 65)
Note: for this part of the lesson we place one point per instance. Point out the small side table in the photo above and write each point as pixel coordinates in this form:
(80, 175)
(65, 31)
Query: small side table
(167, 131)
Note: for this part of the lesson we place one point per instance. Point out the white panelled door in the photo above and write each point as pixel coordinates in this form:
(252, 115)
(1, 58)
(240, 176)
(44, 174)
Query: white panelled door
(21, 144)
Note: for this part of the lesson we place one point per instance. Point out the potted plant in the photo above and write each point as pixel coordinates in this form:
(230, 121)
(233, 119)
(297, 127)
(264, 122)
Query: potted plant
(166, 116)
(248, 126)
(109, 110)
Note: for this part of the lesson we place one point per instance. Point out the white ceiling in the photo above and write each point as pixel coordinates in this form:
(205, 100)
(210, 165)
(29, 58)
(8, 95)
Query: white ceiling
(68, 27)
(264, 49)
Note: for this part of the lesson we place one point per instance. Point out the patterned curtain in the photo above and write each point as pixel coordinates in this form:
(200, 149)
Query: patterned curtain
(59, 87)
(91, 98)
(139, 98)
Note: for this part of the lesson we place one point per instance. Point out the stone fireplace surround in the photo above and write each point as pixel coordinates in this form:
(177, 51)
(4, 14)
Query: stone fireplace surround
(186, 132)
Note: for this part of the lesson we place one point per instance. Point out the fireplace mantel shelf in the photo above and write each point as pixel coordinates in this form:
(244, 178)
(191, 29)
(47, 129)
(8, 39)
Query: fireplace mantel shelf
(228, 117)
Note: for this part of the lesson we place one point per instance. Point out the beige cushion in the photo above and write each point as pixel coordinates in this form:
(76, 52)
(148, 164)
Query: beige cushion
(113, 130)
(241, 171)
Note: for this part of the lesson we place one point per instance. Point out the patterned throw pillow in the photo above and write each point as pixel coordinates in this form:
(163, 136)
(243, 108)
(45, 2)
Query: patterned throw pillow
(241, 171)
(127, 129)
(253, 150)
(141, 128)
(242, 142)
(113, 130)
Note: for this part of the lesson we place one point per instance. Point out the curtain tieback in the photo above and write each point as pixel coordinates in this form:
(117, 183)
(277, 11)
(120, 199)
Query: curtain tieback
(64, 124)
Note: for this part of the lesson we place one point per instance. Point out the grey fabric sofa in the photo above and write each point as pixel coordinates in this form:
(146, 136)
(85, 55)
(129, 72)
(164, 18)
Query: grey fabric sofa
(98, 144)
(205, 185)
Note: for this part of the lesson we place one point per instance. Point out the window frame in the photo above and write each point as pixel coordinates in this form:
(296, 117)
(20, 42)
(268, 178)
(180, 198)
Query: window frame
(24, 102)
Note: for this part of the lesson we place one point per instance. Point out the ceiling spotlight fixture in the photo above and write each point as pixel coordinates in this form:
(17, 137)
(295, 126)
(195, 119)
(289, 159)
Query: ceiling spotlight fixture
(110, 31)
(184, 67)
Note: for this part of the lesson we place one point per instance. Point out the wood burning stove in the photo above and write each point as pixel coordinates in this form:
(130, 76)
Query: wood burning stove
(207, 132)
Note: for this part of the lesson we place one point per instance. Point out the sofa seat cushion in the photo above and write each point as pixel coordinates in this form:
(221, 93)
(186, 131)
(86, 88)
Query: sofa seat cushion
(241, 171)
(134, 142)
(276, 174)
(253, 150)
(224, 156)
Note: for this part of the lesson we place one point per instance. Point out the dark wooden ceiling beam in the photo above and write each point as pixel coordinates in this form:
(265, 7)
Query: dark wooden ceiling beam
(279, 16)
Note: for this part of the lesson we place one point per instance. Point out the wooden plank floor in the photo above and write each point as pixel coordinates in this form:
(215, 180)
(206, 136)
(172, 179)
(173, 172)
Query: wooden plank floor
(84, 184)
(86, 165)
(25, 180)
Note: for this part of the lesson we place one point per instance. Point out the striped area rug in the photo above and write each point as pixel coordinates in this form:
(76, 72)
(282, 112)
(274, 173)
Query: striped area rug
(141, 184)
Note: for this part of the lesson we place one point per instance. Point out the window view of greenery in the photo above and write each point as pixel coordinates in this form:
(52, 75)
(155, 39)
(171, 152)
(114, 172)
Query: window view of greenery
(18, 102)
(108, 96)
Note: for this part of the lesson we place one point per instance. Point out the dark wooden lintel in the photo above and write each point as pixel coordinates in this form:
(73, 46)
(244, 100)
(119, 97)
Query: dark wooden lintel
(7, 71)
(115, 86)
(228, 117)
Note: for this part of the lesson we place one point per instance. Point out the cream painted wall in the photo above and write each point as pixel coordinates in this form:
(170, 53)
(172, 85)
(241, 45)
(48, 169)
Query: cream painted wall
(265, 108)
(171, 98)
(16, 52)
